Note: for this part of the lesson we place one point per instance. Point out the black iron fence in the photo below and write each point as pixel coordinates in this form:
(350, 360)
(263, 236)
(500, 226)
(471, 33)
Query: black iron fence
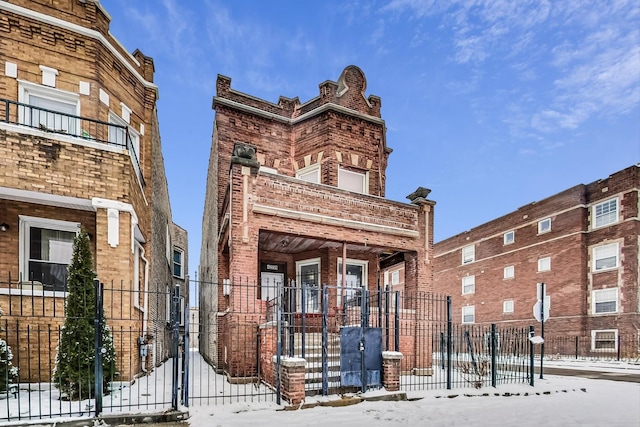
(64, 123)
(600, 346)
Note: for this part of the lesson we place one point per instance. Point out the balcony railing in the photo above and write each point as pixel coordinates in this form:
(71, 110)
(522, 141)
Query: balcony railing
(74, 126)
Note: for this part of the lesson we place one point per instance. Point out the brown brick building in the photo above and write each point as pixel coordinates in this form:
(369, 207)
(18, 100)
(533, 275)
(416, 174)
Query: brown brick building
(80, 147)
(582, 243)
(293, 189)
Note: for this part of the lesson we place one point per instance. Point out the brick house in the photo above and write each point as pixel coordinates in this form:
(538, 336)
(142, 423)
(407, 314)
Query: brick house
(582, 243)
(80, 147)
(293, 189)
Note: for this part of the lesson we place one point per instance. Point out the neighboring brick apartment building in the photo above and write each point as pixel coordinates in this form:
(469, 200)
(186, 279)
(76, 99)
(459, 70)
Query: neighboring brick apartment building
(80, 147)
(582, 243)
(293, 188)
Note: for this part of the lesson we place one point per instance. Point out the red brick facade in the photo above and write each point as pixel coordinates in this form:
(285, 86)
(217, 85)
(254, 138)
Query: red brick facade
(261, 209)
(578, 242)
(57, 171)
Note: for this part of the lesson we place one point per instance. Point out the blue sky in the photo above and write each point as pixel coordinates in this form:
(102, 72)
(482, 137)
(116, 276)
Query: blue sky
(491, 104)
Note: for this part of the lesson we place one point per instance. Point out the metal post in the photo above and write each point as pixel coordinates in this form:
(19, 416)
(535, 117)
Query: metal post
(278, 351)
(442, 347)
(291, 320)
(97, 322)
(618, 348)
(379, 303)
(386, 318)
(531, 355)
(397, 322)
(304, 310)
(542, 292)
(494, 369)
(364, 323)
(185, 359)
(175, 341)
(576, 347)
(449, 339)
(325, 365)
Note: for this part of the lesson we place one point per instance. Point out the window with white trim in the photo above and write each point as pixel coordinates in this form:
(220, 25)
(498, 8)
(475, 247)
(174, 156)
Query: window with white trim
(509, 237)
(309, 173)
(605, 213)
(468, 254)
(395, 277)
(604, 301)
(468, 285)
(469, 314)
(46, 249)
(178, 262)
(356, 278)
(544, 264)
(52, 108)
(544, 225)
(353, 181)
(509, 272)
(118, 135)
(507, 306)
(604, 340)
(308, 283)
(605, 257)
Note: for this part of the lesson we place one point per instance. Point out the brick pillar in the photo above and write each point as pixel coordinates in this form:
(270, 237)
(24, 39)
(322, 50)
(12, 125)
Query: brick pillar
(391, 370)
(292, 378)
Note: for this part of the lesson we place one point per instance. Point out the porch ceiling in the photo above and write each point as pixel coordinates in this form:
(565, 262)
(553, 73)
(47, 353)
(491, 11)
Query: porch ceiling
(291, 244)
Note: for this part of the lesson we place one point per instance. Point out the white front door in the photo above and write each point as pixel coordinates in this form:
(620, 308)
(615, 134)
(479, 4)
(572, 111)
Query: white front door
(270, 283)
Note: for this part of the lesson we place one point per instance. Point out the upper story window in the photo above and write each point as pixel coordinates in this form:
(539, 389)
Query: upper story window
(46, 249)
(309, 173)
(544, 264)
(353, 181)
(509, 272)
(468, 254)
(507, 306)
(544, 225)
(604, 301)
(605, 213)
(52, 109)
(468, 285)
(178, 263)
(118, 135)
(605, 257)
(509, 237)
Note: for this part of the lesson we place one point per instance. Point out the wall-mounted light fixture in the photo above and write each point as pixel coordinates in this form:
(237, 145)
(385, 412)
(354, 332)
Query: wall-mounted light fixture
(4, 226)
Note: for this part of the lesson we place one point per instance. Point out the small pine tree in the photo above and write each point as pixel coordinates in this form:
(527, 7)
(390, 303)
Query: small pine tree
(75, 361)
(7, 371)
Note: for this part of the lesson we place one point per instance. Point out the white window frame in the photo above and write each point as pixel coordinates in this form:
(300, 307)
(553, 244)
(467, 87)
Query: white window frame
(27, 89)
(598, 250)
(135, 135)
(395, 277)
(469, 283)
(25, 224)
(181, 263)
(508, 306)
(542, 228)
(468, 254)
(299, 265)
(469, 310)
(604, 219)
(509, 237)
(594, 302)
(365, 275)
(365, 180)
(309, 171)
(509, 272)
(541, 264)
(593, 340)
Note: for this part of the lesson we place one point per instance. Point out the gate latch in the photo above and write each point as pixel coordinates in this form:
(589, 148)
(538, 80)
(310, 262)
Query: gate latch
(361, 346)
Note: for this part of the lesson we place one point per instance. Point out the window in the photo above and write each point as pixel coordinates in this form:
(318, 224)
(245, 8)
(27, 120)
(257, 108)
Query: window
(469, 314)
(178, 258)
(52, 108)
(395, 277)
(605, 213)
(468, 254)
(544, 225)
(356, 279)
(308, 282)
(544, 264)
(604, 340)
(605, 257)
(605, 301)
(46, 248)
(509, 272)
(352, 181)
(118, 135)
(507, 306)
(309, 173)
(509, 237)
(468, 285)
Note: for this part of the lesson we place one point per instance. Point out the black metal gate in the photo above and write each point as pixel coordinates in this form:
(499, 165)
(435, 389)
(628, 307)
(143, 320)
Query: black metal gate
(361, 357)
